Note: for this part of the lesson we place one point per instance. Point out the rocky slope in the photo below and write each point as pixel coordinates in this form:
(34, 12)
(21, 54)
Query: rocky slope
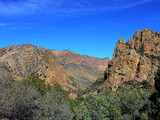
(20, 61)
(138, 59)
(70, 70)
(83, 70)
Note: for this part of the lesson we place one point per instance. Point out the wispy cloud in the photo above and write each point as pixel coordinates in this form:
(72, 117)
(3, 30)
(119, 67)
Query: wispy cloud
(5, 24)
(22, 7)
(65, 7)
(129, 3)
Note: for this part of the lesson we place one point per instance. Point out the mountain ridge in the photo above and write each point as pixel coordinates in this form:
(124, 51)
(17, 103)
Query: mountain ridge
(20, 60)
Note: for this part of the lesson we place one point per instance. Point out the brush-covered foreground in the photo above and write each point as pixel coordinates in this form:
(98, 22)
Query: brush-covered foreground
(32, 99)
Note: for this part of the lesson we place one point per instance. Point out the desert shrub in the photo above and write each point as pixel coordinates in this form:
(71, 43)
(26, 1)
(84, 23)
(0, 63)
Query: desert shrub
(92, 108)
(17, 100)
(53, 106)
(34, 80)
(127, 100)
(31, 99)
(114, 113)
(75, 103)
(146, 85)
(132, 84)
(97, 83)
(156, 44)
(140, 52)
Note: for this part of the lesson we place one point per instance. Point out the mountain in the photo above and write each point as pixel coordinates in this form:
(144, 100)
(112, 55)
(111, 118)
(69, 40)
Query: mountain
(82, 69)
(135, 60)
(66, 68)
(20, 61)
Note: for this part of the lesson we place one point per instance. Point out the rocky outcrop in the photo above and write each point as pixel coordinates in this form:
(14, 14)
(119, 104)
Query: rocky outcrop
(146, 41)
(73, 96)
(82, 69)
(136, 60)
(20, 61)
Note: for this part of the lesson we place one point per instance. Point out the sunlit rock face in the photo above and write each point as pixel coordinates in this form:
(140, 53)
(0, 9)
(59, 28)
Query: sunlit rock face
(20, 61)
(137, 59)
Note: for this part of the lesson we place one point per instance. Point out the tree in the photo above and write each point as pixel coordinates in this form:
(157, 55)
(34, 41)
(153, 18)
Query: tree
(92, 108)
(127, 100)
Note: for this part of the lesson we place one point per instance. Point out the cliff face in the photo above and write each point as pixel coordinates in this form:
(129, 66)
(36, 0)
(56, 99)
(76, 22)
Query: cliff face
(136, 60)
(147, 41)
(83, 70)
(20, 61)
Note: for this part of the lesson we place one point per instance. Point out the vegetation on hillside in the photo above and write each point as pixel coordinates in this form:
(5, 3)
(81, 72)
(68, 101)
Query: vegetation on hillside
(32, 99)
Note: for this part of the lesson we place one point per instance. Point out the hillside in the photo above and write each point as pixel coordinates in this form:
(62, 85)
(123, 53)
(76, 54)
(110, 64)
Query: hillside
(82, 69)
(20, 61)
(69, 70)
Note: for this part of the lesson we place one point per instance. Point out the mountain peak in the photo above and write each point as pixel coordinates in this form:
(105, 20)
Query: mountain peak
(27, 45)
(122, 41)
(137, 60)
(146, 41)
(145, 29)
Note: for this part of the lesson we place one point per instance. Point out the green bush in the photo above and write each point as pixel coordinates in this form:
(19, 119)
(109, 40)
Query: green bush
(92, 108)
(146, 85)
(156, 44)
(114, 114)
(36, 82)
(127, 100)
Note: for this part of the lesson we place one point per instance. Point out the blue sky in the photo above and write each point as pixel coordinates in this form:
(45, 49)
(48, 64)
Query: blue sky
(87, 27)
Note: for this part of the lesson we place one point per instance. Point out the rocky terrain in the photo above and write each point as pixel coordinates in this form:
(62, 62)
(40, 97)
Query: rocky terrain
(82, 69)
(135, 60)
(70, 70)
(138, 59)
(20, 61)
